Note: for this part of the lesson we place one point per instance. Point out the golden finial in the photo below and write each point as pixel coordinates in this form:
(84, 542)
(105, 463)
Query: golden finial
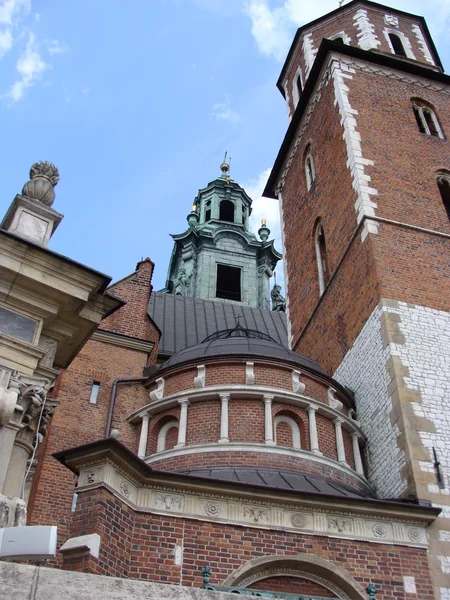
(263, 222)
(225, 167)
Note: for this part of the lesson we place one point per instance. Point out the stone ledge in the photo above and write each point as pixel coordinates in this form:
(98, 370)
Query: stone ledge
(23, 582)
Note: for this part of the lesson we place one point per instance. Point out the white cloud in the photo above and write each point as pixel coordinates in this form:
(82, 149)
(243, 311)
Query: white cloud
(223, 111)
(30, 67)
(8, 8)
(6, 41)
(273, 26)
(268, 209)
(56, 47)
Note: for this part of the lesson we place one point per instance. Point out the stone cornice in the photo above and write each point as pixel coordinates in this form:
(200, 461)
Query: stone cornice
(110, 465)
(124, 341)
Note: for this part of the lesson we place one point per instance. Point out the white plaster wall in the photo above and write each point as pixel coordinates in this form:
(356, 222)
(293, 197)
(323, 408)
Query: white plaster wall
(363, 369)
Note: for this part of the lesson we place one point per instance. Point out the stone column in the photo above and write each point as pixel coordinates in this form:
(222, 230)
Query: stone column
(142, 451)
(268, 420)
(357, 454)
(339, 441)
(225, 399)
(313, 438)
(182, 426)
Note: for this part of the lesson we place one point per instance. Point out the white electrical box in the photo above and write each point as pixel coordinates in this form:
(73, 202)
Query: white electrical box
(28, 543)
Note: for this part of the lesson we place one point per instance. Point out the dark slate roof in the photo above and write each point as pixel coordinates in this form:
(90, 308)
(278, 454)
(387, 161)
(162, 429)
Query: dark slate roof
(188, 321)
(274, 478)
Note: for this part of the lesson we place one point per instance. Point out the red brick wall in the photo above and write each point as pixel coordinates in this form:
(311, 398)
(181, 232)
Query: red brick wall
(299, 416)
(203, 422)
(384, 265)
(292, 585)
(344, 22)
(246, 421)
(141, 545)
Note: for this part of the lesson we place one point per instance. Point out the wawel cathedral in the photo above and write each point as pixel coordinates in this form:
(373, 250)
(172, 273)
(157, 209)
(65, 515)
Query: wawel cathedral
(222, 433)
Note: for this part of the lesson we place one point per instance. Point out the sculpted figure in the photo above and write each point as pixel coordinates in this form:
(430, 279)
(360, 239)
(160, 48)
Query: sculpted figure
(278, 302)
(182, 283)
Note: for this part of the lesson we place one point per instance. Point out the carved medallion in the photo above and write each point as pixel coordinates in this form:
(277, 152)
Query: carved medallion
(414, 534)
(298, 520)
(256, 513)
(391, 20)
(125, 488)
(379, 530)
(169, 502)
(212, 509)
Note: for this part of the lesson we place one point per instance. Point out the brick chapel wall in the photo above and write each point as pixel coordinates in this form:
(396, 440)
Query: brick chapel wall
(76, 420)
(142, 545)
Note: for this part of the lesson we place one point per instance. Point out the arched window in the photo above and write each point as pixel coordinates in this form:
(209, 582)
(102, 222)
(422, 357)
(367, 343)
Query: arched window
(397, 45)
(281, 422)
(321, 256)
(208, 210)
(226, 211)
(426, 119)
(167, 436)
(443, 181)
(309, 168)
(297, 87)
(298, 83)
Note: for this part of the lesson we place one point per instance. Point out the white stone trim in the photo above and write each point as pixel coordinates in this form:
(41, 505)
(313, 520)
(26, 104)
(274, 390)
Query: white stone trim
(340, 448)
(297, 386)
(313, 437)
(249, 373)
(253, 392)
(417, 31)
(309, 52)
(268, 425)
(161, 445)
(90, 543)
(364, 206)
(309, 517)
(368, 39)
(403, 39)
(224, 402)
(182, 427)
(200, 380)
(341, 34)
(296, 442)
(158, 394)
(143, 438)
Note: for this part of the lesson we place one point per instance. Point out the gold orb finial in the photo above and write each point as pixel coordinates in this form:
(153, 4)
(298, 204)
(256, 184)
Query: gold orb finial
(225, 166)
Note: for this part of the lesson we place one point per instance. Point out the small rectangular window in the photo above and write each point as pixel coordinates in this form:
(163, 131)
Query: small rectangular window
(228, 283)
(94, 392)
(17, 326)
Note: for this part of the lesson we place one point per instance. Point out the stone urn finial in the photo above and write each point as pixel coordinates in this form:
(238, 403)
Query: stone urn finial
(43, 178)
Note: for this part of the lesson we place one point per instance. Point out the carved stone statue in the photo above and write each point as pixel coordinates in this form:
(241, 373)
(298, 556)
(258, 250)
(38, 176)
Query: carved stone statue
(181, 283)
(278, 302)
(43, 178)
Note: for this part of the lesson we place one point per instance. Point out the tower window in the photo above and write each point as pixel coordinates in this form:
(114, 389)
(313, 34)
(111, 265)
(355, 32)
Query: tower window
(299, 84)
(208, 211)
(426, 119)
(321, 256)
(94, 392)
(397, 45)
(443, 181)
(309, 168)
(228, 283)
(226, 211)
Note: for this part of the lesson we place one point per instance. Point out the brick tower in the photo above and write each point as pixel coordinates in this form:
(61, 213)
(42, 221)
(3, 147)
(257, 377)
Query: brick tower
(363, 180)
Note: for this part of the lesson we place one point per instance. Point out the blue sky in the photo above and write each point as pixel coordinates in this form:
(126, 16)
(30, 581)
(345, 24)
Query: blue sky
(136, 102)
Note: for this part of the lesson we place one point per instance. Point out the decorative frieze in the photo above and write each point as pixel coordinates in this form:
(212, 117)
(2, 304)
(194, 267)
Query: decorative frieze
(295, 516)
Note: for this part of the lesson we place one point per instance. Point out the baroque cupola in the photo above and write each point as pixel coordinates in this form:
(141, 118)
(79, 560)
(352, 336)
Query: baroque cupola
(218, 257)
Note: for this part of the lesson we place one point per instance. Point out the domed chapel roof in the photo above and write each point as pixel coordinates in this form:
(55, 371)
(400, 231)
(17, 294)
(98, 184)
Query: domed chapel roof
(240, 342)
